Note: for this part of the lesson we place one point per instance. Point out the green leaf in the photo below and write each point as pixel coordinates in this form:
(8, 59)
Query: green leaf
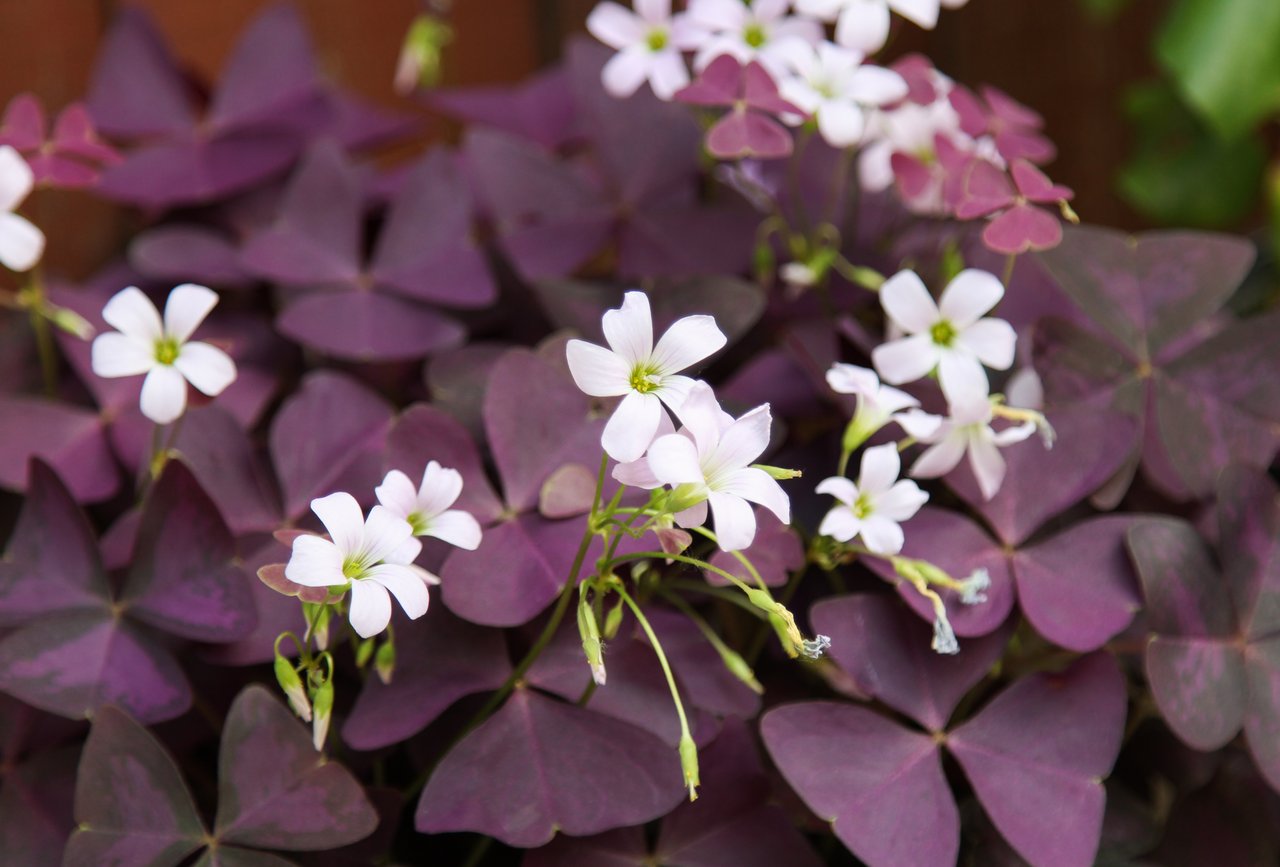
(1182, 174)
(1225, 57)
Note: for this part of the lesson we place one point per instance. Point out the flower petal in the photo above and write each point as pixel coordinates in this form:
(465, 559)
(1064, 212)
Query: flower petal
(632, 427)
(908, 303)
(405, 584)
(875, 85)
(864, 25)
(918, 423)
(370, 610)
(439, 490)
(987, 464)
(941, 458)
(1017, 434)
(880, 468)
(315, 562)
(21, 242)
(852, 379)
(674, 460)
(668, 74)
(969, 296)
(131, 312)
(839, 487)
(206, 367)
(905, 360)
(626, 71)
(636, 474)
(734, 520)
(992, 340)
(902, 501)
(629, 329)
(743, 442)
(757, 486)
(702, 417)
(841, 123)
(653, 11)
(962, 378)
(397, 494)
(164, 394)
(387, 537)
(16, 178)
(187, 307)
(343, 519)
(115, 354)
(597, 371)
(456, 527)
(615, 25)
(694, 516)
(674, 390)
(840, 524)
(882, 535)
(686, 342)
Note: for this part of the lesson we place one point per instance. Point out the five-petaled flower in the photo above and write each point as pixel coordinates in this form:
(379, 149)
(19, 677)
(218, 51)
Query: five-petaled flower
(426, 508)
(370, 556)
(648, 41)
(748, 31)
(833, 85)
(875, 506)
(21, 243)
(950, 335)
(163, 350)
(644, 375)
(878, 405)
(709, 462)
(969, 430)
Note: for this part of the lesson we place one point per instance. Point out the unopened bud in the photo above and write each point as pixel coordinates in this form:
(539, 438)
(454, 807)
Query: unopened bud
(384, 663)
(287, 677)
(780, 473)
(613, 621)
(322, 702)
(421, 54)
(364, 651)
(589, 631)
(71, 322)
(738, 668)
(689, 765)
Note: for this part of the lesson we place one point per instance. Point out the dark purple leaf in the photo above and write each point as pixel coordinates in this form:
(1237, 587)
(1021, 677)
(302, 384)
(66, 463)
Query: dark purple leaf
(1037, 754)
(775, 552)
(136, 89)
(1184, 592)
(625, 847)
(539, 765)
(131, 804)
(222, 457)
(424, 433)
(1249, 539)
(36, 808)
(69, 438)
(540, 109)
(179, 253)
(277, 612)
(368, 326)
(439, 659)
(276, 791)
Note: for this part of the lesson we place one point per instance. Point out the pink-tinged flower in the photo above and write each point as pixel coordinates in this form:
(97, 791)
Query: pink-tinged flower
(748, 32)
(834, 86)
(950, 335)
(370, 556)
(1011, 199)
(648, 41)
(969, 430)
(426, 508)
(1015, 129)
(21, 243)
(750, 128)
(864, 24)
(71, 158)
(708, 462)
(878, 405)
(643, 374)
(163, 350)
(874, 507)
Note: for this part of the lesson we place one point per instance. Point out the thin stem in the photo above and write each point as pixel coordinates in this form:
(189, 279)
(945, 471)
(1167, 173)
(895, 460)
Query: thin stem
(48, 353)
(1009, 263)
(680, 558)
(722, 593)
(738, 555)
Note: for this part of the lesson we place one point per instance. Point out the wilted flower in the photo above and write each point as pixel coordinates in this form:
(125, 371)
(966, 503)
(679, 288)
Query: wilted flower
(875, 506)
(834, 86)
(972, 588)
(371, 556)
(426, 508)
(163, 350)
(21, 243)
(814, 647)
(969, 430)
(648, 41)
(646, 374)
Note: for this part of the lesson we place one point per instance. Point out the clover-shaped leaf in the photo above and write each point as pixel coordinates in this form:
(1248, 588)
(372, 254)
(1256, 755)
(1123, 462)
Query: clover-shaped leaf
(72, 439)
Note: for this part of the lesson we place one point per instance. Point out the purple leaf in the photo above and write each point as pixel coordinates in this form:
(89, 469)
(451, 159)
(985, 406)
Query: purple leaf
(880, 786)
(776, 551)
(625, 847)
(439, 659)
(220, 454)
(276, 791)
(540, 109)
(69, 438)
(183, 579)
(886, 652)
(742, 133)
(1180, 582)
(368, 326)
(136, 89)
(1036, 756)
(424, 433)
(179, 252)
(35, 808)
(51, 564)
(539, 765)
(131, 804)
(1249, 539)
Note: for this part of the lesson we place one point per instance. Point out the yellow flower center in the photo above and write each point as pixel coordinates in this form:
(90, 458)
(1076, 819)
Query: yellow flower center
(755, 35)
(657, 39)
(943, 333)
(166, 350)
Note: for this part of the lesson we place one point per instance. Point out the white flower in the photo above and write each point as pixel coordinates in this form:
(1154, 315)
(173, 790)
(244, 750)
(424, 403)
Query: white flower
(875, 506)
(832, 84)
(909, 128)
(426, 508)
(648, 40)
(864, 24)
(162, 350)
(708, 462)
(371, 556)
(950, 335)
(877, 405)
(748, 32)
(969, 430)
(21, 243)
(645, 373)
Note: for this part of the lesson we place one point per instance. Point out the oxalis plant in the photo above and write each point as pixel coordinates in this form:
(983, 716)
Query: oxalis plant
(729, 453)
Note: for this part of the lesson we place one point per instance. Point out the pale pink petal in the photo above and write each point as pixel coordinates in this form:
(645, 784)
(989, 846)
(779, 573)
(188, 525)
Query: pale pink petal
(674, 390)
(940, 459)
(962, 378)
(636, 474)
(694, 516)
(206, 367)
(668, 74)
(881, 535)
(632, 426)
(615, 25)
(826, 10)
(875, 85)
(1016, 434)
(852, 379)
(673, 459)
(629, 329)
(919, 424)
(757, 486)
(864, 26)
(743, 442)
(992, 340)
(686, 342)
(341, 516)
(969, 296)
(597, 371)
(405, 584)
(164, 394)
(370, 610)
(397, 494)
(905, 360)
(653, 11)
(1025, 389)
(880, 468)
(388, 537)
(922, 12)
(16, 178)
(719, 14)
(891, 400)
(902, 501)
(987, 464)
(456, 527)
(735, 522)
(132, 313)
(769, 10)
(908, 303)
(315, 562)
(841, 124)
(626, 71)
(187, 307)
(839, 487)
(701, 415)
(115, 354)
(439, 490)
(840, 524)
(21, 243)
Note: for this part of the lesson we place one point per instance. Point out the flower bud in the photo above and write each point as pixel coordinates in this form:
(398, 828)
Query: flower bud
(71, 322)
(322, 701)
(779, 473)
(420, 55)
(287, 677)
(589, 631)
(364, 651)
(384, 663)
(613, 621)
(689, 765)
(738, 668)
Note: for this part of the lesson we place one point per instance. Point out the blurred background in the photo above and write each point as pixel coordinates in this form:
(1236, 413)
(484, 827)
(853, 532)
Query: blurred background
(1163, 110)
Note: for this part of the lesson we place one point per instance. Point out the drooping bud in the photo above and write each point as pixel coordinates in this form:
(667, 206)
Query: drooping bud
(689, 765)
(322, 702)
(421, 54)
(384, 663)
(780, 473)
(364, 651)
(71, 322)
(613, 621)
(291, 684)
(738, 668)
(589, 631)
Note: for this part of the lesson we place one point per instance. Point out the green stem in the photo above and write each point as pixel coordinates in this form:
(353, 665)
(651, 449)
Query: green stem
(719, 593)
(1009, 264)
(48, 353)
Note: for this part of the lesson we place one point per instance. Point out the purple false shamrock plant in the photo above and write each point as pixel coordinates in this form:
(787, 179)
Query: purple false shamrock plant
(730, 416)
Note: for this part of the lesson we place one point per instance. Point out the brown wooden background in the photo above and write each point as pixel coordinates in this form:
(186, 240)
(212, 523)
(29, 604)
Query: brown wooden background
(1048, 53)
